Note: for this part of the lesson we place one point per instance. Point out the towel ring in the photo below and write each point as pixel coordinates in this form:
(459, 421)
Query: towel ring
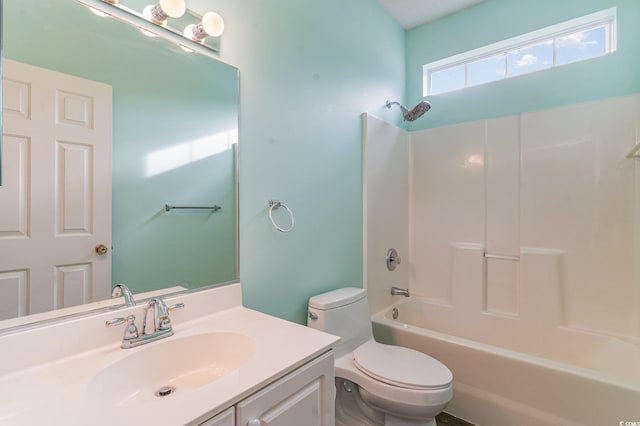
(274, 204)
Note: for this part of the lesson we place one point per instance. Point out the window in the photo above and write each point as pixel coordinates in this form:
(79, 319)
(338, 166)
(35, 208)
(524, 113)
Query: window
(583, 38)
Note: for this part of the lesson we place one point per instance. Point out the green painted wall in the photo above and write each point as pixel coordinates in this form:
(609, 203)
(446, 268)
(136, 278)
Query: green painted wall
(160, 101)
(495, 20)
(308, 69)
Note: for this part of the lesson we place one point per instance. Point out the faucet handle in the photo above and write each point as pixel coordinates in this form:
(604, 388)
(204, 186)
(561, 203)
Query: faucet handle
(176, 307)
(114, 321)
(130, 331)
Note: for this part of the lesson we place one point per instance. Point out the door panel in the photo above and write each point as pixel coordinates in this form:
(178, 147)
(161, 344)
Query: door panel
(55, 201)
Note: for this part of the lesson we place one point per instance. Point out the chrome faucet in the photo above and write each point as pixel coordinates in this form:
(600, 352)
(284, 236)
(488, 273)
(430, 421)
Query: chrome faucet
(397, 291)
(122, 290)
(155, 328)
(160, 322)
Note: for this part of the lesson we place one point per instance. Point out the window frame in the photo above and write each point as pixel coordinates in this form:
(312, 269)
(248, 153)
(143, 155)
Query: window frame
(605, 18)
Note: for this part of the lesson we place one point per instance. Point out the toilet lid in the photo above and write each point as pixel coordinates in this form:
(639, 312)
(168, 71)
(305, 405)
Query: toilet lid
(402, 367)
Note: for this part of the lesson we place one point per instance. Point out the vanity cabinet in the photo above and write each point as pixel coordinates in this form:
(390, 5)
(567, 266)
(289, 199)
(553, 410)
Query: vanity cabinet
(226, 418)
(305, 396)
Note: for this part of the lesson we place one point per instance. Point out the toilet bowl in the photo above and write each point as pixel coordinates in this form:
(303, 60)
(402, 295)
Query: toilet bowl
(376, 383)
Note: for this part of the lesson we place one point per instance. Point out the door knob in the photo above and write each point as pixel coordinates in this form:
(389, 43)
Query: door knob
(101, 249)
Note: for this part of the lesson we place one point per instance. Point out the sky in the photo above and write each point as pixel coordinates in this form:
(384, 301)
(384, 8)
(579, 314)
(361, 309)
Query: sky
(578, 46)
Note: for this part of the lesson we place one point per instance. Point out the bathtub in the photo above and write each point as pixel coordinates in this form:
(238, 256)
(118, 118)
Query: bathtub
(495, 386)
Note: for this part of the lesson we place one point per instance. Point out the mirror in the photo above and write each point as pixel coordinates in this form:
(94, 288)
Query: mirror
(173, 124)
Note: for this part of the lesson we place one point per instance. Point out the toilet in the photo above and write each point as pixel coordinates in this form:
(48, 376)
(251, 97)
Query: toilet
(377, 384)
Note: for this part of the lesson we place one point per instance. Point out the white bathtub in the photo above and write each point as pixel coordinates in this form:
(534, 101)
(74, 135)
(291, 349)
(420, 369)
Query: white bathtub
(500, 387)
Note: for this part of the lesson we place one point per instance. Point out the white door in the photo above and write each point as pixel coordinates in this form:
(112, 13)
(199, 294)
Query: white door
(55, 198)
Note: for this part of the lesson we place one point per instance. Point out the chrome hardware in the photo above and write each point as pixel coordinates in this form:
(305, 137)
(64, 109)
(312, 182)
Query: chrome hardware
(114, 321)
(274, 205)
(122, 290)
(157, 328)
(176, 307)
(215, 208)
(313, 315)
(397, 291)
(394, 313)
(165, 391)
(130, 331)
(101, 249)
(160, 317)
(393, 260)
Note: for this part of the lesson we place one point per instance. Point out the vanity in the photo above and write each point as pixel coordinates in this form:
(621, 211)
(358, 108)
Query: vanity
(225, 365)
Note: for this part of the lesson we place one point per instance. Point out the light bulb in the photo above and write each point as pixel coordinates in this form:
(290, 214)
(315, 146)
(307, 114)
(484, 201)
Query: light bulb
(173, 8)
(211, 24)
(163, 10)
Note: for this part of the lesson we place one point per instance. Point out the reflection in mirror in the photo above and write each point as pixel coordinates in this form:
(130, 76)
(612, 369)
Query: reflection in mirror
(102, 127)
(1, 93)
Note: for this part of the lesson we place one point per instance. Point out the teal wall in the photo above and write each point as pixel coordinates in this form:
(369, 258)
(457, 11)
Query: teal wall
(496, 20)
(308, 69)
(159, 101)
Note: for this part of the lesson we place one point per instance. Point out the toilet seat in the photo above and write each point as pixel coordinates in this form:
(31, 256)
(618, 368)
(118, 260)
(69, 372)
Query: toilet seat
(401, 367)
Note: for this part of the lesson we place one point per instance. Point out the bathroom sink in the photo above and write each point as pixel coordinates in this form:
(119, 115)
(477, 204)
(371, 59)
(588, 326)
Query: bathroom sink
(171, 366)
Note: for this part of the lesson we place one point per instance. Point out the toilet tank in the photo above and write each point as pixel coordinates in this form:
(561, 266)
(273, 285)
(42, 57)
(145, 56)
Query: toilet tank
(343, 312)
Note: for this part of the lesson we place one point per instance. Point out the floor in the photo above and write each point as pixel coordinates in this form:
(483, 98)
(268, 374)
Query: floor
(444, 419)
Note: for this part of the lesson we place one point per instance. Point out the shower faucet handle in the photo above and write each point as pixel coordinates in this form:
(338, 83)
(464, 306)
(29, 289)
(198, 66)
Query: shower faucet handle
(393, 260)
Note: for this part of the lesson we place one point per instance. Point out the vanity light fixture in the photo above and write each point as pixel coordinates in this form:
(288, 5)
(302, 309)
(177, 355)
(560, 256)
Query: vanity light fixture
(98, 12)
(163, 10)
(147, 33)
(211, 24)
(201, 34)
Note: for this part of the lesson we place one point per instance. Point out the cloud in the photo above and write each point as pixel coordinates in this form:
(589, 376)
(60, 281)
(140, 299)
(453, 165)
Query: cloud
(577, 40)
(526, 60)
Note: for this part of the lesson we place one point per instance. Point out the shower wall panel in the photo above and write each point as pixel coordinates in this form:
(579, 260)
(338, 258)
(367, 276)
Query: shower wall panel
(524, 230)
(447, 204)
(386, 201)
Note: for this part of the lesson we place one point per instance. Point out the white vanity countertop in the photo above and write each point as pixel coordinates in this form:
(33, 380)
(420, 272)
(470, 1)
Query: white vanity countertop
(44, 380)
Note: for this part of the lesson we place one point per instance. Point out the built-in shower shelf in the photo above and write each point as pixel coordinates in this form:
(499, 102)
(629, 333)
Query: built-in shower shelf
(635, 151)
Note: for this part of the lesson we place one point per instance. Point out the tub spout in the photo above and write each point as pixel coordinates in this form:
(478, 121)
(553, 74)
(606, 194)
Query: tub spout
(396, 291)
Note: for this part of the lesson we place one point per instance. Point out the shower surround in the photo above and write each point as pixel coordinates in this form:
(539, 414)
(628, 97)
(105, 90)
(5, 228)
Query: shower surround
(521, 232)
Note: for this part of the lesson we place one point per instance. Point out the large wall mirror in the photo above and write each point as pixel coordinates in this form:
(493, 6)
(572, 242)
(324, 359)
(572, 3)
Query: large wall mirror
(102, 126)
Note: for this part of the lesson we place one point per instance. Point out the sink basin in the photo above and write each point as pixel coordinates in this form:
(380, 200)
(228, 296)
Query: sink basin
(171, 366)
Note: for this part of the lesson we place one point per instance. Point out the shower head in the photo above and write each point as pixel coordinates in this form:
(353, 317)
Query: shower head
(412, 114)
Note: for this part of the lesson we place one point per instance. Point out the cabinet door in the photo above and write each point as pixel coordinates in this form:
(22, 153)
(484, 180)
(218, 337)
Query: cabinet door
(304, 397)
(226, 418)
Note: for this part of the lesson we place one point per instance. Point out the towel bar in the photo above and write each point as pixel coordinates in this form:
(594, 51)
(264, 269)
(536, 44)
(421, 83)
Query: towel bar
(215, 208)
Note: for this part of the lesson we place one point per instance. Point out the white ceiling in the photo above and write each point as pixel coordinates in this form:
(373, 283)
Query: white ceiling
(411, 13)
